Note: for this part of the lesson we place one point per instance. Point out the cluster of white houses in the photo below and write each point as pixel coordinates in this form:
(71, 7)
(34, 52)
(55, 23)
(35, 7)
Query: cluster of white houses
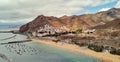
(89, 31)
(47, 29)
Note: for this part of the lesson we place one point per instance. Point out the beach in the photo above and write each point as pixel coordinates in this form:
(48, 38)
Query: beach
(103, 56)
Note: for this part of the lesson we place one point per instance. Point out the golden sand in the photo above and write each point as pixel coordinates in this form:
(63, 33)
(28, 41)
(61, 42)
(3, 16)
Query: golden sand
(103, 56)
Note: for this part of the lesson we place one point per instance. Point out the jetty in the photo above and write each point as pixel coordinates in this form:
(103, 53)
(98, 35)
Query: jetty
(12, 31)
(22, 41)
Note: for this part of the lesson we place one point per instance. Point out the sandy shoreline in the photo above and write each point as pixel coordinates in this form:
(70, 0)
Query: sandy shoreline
(104, 56)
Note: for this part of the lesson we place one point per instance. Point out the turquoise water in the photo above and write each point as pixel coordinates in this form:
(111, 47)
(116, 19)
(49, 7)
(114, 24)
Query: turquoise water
(34, 52)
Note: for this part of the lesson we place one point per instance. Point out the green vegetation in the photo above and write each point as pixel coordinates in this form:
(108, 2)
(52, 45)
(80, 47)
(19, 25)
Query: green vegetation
(115, 51)
(63, 33)
(80, 44)
(99, 48)
(78, 31)
(118, 52)
(96, 48)
(56, 34)
(56, 40)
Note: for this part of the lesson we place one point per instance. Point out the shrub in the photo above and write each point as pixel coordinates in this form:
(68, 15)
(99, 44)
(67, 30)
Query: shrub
(80, 44)
(115, 34)
(118, 52)
(113, 50)
(76, 43)
(91, 46)
(96, 48)
(79, 31)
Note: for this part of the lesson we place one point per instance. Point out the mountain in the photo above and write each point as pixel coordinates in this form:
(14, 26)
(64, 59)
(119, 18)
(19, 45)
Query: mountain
(74, 22)
(40, 21)
(115, 24)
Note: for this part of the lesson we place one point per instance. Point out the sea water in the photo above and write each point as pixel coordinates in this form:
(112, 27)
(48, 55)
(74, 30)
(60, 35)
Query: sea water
(35, 52)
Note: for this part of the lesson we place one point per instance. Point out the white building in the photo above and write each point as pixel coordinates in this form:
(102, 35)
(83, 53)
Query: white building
(89, 31)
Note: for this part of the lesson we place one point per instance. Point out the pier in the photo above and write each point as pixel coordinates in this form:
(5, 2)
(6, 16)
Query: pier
(12, 42)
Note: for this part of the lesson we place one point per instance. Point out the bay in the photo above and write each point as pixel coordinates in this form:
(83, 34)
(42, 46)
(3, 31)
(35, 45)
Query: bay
(35, 52)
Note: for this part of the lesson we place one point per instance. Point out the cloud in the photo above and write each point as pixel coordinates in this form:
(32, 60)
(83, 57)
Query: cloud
(25, 10)
(118, 4)
(17, 21)
(104, 9)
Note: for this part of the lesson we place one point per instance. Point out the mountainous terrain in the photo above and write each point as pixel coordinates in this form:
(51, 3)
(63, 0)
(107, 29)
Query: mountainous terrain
(98, 31)
(115, 24)
(105, 18)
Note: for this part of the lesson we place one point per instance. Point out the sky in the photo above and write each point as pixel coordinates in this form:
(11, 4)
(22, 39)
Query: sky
(23, 11)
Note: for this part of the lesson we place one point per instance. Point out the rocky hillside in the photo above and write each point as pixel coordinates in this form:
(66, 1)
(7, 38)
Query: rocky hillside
(115, 24)
(73, 22)
(40, 21)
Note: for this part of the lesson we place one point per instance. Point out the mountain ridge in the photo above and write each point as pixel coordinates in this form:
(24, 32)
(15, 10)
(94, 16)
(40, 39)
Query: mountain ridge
(74, 22)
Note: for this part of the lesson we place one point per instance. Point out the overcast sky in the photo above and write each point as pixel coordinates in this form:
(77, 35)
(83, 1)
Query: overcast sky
(21, 11)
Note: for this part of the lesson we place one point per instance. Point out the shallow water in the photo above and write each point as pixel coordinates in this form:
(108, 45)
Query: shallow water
(34, 52)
